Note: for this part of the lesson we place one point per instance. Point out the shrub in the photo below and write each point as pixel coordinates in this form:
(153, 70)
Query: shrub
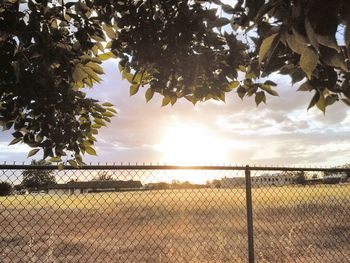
(5, 188)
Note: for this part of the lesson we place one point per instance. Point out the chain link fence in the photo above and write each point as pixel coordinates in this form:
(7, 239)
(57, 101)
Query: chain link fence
(174, 214)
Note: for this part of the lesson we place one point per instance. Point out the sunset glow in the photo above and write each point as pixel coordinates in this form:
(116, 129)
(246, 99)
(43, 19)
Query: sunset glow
(192, 145)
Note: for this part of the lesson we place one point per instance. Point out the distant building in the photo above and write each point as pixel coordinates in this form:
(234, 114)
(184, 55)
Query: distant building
(335, 177)
(258, 181)
(325, 177)
(314, 175)
(272, 180)
(92, 187)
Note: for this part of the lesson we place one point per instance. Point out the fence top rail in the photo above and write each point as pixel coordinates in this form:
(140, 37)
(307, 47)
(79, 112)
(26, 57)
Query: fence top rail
(173, 167)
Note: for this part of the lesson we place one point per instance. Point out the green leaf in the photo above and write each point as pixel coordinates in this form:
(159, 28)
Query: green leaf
(109, 44)
(106, 56)
(222, 21)
(55, 159)
(266, 47)
(260, 97)
(73, 163)
(334, 59)
(269, 89)
(138, 78)
(100, 122)
(300, 37)
(251, 90)
(32, 152)
(233, 84)
(306, 86)
(106, 118)
(60, 166)
(191, 99)
(149, 94)
(311, 33)
(112, 110)
(95, 67)
(328, 41)
(109, 31)
(53, 24)
(308, 61)
(331, 99)
(108, 114)
(98, 38)
(228, 9)
(166, 101)
(31, 5)
(100, 46)
(241, 91)
(128, 76)
(134, 89)
(321, 103)
(294, 43)
(107, 104)
(17, 134)
(271, 83)
(79, 74)
(87, 143)
(173, 100)
(95, 50)
(14, 141)
(250, 76)
(287, 69)
(90, 150)
(242, 68)
(91, 73)
(297, 75)
(314, 100)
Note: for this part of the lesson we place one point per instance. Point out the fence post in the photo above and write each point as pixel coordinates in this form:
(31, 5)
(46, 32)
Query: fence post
(248, 187)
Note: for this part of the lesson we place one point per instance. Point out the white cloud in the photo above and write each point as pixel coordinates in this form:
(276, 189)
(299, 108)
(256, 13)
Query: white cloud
(17, 148)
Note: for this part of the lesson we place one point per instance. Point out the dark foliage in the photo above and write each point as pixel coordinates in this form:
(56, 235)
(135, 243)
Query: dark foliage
(5, 188)
(50, 50)
(35, 178)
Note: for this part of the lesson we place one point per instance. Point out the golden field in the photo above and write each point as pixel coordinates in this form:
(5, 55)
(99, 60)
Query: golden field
(291, 224)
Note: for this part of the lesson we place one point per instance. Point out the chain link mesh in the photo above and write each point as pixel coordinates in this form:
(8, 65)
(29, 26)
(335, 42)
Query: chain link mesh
(134, 214)
(307, 222)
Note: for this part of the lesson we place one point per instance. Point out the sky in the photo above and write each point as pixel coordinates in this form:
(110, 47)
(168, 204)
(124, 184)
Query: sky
(282, 132)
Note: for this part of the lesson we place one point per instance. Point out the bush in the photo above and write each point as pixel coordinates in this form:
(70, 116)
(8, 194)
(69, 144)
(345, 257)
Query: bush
(5, 188)
(34, 178)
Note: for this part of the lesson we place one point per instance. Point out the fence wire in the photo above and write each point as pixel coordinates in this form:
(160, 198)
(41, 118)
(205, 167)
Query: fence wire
(172, 214)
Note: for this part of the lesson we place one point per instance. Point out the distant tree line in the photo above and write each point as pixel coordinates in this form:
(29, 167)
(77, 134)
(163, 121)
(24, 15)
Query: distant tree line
(175, 185)
(35, 178)
(101, 176)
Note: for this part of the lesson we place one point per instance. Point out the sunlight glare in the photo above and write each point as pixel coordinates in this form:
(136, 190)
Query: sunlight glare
(192, 145)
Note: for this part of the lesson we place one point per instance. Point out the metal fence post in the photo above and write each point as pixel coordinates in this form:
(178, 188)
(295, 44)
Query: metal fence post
(248, 187)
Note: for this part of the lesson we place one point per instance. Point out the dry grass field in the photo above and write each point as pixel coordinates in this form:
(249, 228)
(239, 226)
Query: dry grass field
(292, 224)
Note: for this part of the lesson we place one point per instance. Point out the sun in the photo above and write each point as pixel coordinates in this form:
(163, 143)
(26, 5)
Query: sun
(192, 145)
